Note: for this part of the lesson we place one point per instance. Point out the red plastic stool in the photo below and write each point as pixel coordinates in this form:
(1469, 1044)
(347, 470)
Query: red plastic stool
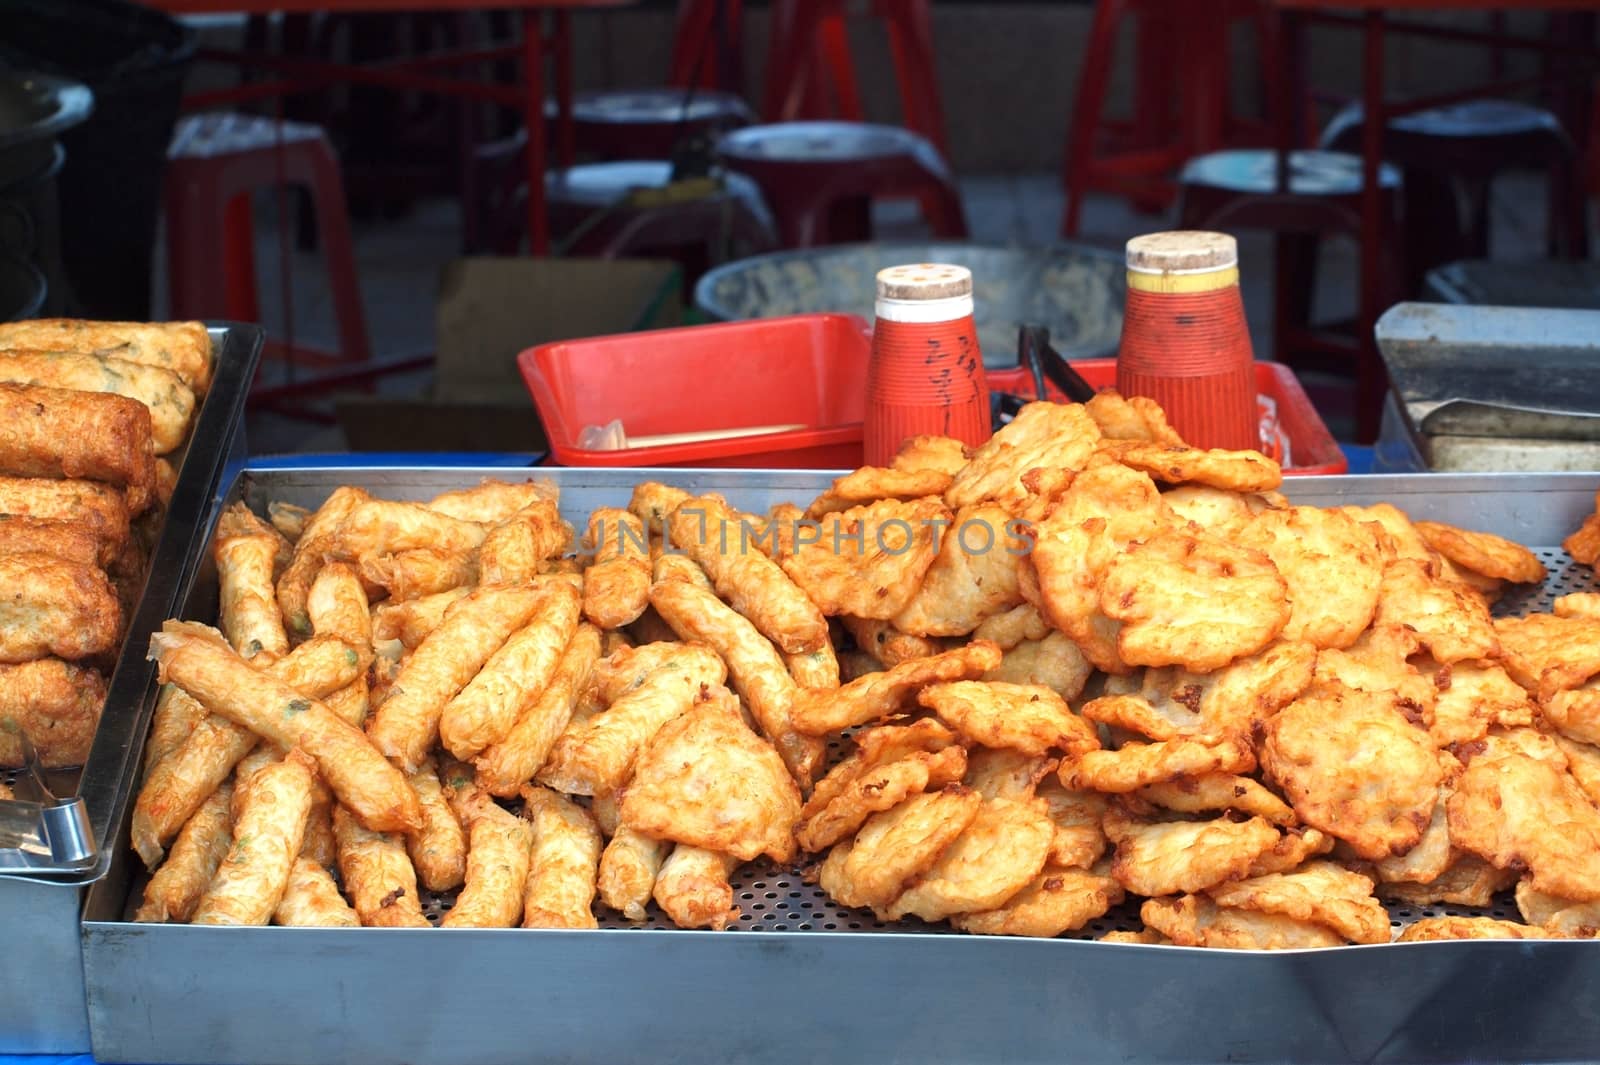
(648, 123)
(1181, 93)
(820, 178)
(1239, 190)
(214, 163)
(808, 54)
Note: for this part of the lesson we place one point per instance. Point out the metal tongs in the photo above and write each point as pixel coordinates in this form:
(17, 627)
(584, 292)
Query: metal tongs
(1043, 361)
(45, 834)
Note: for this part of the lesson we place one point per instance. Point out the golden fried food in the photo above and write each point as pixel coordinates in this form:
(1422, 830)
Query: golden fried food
(616, 586)
(484, 712)
(653, 503)
(758, 674)
(693, 890)
(1478, 696)
(175, 888)
(268, 829)
(406, 724)
(377, 875)
(997, 855)
(1107, 508)
(409, 623)
(55, 607)
(1430, 858)
(1468, 881)
(628, 869)
(1079, 840)
(874, 748)
(1323, 893)
(1331, 564)
(1143, 937)
(70, 541)
(1196, 921)
(1131, 418)
(1058, 900)
(523, 545)
(1004, 773)
(1238, 471)
(1558, 916)
(871, 483)
(1583, 762)
(1521, 811)
(57, 704)
(1483, 553)
(1452, 624)
(1218, 793)
(384, 527)
(1193, 600)
(706, 780)
(1138, 765)
(1049, 435)
(1168, 857)
(183, 348)
(817, 670)
(170, 402)
(246, 549)
(1431, 929)
(55, 432)
(869, 561)
(1006, 630)
(596, 757)
(423, 571)
(225, 684)
(316, 541)
(1353, 766)
(1546, 654)
(882, 695)
(884, 642)
(1577, 605)
(896, 846)
(875, 789)
(312, 900)
(942, 453)
(493, 501)
(561, 882)
(973, 576)
(499, 856)
(319, 845)
(1584, 544)
(502, 768)
(337, 606)
(1028, 718)
(288, 519)
(96, 507)
(439, 848)
(1053, 661)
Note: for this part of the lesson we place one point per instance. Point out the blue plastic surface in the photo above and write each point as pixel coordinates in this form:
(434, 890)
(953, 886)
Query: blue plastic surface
(403, 459)
(1359, 457)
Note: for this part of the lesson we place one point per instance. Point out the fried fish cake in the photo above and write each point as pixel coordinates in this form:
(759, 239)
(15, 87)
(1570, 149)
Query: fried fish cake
(1331, 564)
(175, 888)
(629, 866)
(1231, 701)
(184, 348)
(246, 550)
(1558, 916)
(1078, 840)
(1453, 625)
(882, 695)
(1218, 793)
(69, 540)
(974, 575)
(494, 500)
(504, 767)
(706, 780)
(1432, 929)
(55, 607)
(1546, 654)
(57, 704)
(879, 788)
(1323, 893)
(1005, 773)
(693, 890)
(1137, 765)
(377, 875)
(1192, 600)
(1058, 900)
(1028, 718)
(1041, 435)
(1196, 921)
(171, 403)
(96, 507)
(616, 586)
(1169, 857)
(1522, 811)
(1352, 765)
(317, 538)
(1432, 855)
(1468, 881)
(1239, 471)
(1483, 553)
(1478, 696)
(871, 483)
(1131, 418)
(498, 859)
(895, 846)
(996, 856)
(869, 561)
(1011, 628)
(1053, 661)
(97, 436)
(268, 830)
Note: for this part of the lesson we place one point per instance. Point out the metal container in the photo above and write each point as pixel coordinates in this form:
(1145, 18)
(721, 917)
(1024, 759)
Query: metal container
(803, 979)
(41, 997)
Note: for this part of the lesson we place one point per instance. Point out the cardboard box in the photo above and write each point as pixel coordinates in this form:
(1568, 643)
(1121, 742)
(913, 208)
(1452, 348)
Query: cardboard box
(490, 309)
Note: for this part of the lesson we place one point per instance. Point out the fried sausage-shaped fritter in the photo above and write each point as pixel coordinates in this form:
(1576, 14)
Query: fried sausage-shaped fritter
(163, 393)
(316, 540)
(560, 886)
(57, 704)
(505, 766)
(71, 541)
(54, 432)
(439, 850)
(267, 833)
(498, 859)
(97, 507)
(377, 875)
(54, 607)
(246, 550)
(518, 549)
(629, 866)
(312, 900)
(184, 348)
(491, 501)
(174, 891)
(693, 888)
(616, 586)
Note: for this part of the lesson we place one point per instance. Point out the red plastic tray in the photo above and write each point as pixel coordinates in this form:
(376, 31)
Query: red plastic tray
(809, 369)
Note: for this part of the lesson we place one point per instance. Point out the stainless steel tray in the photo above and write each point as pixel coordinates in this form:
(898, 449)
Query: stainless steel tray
(41, 993)
(794, 983)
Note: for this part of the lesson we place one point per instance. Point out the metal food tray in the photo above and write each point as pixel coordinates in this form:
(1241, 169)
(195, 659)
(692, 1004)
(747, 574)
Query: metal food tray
(790, 982)
(41, 992)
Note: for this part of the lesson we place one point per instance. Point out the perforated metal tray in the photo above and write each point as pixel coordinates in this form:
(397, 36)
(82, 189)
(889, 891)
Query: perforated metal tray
(911, 991)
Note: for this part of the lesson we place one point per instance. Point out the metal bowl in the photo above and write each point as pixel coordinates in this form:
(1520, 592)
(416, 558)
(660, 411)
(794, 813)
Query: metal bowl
(1074, 289)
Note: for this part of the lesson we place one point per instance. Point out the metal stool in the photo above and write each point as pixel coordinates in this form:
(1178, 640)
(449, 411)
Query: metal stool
(649, 123)
(820, 178)
(1451, 155)
(1239, 190)
(1180, 64)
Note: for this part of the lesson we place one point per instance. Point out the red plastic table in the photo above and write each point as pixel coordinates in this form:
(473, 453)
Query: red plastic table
(421, 73)
(1372, 17)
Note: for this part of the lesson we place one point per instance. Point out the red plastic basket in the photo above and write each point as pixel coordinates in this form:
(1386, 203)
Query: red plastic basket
(808, 369)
